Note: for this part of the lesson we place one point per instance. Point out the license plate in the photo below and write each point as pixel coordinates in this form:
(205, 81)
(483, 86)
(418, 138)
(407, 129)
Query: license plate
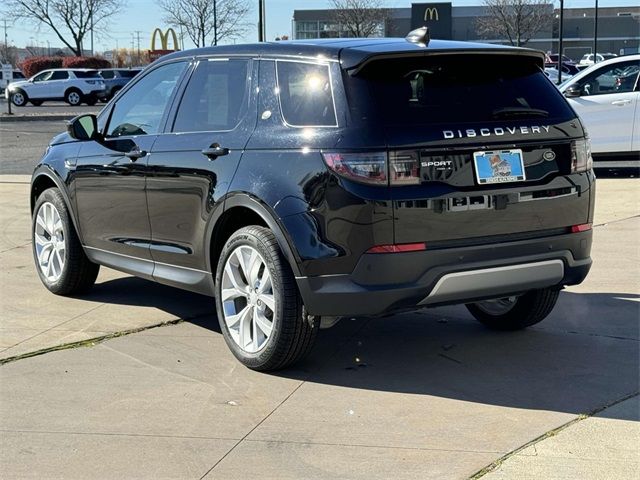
(499, 166)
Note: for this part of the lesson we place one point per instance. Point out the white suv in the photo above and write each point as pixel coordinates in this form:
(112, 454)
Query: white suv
(606, 96)
(74, 86)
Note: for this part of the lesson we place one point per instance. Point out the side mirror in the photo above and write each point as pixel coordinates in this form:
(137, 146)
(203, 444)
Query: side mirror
(83, 127)
(573, 91)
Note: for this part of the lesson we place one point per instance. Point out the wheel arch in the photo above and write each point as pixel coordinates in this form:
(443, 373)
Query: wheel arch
(242, 210)
(41, 181)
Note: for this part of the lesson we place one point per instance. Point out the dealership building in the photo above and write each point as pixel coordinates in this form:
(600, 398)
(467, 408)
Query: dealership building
(618, 27)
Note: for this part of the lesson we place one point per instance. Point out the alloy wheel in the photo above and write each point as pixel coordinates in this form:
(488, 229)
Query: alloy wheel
(18, 99)
(50, 242)
(248, 299)
(74, 98)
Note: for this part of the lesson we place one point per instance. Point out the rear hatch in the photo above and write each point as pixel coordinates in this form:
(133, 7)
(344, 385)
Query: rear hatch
(479, 146)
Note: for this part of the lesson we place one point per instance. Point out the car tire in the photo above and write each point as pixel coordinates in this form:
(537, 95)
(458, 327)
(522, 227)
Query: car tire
(259, 308)
(73, 97)
(36, 103)
(19, 98)
(61, 262)
(515, 313)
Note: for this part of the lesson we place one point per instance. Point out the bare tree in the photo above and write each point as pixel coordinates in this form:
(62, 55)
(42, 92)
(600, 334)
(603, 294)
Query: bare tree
(207, 22)
(360, 18)
(515, 20)
(8, 54)
(70, 20)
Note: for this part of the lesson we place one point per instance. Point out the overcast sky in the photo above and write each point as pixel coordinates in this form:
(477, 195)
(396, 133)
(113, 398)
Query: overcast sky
(144, 15)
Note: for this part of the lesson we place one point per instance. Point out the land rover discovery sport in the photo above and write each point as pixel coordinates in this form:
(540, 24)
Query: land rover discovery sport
(300, 182)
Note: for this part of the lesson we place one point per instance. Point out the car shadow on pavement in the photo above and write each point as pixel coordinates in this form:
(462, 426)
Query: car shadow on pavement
(585, 355)
(195, 308)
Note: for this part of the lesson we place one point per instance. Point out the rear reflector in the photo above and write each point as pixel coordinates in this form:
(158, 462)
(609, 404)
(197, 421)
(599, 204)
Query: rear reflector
(581, 228)
(404, 247)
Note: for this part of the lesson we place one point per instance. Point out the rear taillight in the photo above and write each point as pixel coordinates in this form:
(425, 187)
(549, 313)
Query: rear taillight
(584, 227)
(368, 167)
(581, 160)
(404, 168)
(398, 248)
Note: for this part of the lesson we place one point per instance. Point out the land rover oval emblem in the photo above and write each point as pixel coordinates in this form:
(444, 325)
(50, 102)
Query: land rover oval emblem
(549, 155)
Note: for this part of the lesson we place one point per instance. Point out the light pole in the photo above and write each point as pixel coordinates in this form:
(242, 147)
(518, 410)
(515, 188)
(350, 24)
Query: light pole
(261, 22)
(560, 42)
(215, 23)
(595, 35)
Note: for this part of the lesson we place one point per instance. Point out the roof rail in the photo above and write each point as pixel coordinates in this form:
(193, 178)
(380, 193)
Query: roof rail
(420, 36)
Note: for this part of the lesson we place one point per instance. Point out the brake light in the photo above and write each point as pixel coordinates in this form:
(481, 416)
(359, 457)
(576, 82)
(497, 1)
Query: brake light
(581, 228)
(399, 248)
(581, 160)
(404, 168)
(363, 167)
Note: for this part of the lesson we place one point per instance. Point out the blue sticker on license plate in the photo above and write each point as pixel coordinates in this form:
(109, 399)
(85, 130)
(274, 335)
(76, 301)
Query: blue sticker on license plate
(500, 166)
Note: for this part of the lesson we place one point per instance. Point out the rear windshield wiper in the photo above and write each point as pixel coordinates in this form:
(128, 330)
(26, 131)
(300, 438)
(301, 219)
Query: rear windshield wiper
(519, 112)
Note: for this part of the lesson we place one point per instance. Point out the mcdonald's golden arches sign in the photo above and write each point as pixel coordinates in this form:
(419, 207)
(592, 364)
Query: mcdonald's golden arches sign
(156, 53)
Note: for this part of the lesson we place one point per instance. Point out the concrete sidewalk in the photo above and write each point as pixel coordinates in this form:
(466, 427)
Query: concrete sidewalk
(429, 394)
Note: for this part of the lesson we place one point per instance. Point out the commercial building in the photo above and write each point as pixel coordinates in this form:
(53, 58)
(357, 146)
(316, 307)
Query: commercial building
(618, 27)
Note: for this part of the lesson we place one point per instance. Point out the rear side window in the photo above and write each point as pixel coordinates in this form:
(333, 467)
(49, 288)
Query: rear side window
(59, 75)
(454, 89)
(128, 73)
(306, 96)
(107, 74)
(18, 75)
(215, 98)
(81, 74)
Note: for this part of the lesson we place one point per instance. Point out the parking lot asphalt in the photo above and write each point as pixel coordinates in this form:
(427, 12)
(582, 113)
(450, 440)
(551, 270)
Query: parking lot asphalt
(429, 394)
(46, 110)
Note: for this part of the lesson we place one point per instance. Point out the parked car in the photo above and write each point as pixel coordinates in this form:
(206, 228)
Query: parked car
(7, 76)
(552, 73)
(606, 97)
(74, 86)
(115, 79)
(587, 58)
(298, 183)
(568, 66)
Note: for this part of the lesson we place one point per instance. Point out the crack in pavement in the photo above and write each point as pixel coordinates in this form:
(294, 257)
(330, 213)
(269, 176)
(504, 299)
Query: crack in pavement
(327, 358)
(496, 463)
(90, 342)
(604, 224)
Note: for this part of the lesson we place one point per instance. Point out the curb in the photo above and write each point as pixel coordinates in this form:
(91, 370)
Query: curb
(35, 118)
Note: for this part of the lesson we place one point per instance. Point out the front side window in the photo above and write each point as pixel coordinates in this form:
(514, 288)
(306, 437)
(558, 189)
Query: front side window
(140, 110)
(41, 77)
(617, 78)
(305, 93)
(215, 98)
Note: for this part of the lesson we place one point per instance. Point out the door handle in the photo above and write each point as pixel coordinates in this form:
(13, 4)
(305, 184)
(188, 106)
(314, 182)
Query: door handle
(214, 151)
(620, 102)
(135, 153)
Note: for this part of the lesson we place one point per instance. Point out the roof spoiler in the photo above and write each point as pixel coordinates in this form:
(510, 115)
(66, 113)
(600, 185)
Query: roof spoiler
(421, 36)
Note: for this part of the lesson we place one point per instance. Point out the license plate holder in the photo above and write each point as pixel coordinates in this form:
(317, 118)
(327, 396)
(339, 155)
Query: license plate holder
(499, 166)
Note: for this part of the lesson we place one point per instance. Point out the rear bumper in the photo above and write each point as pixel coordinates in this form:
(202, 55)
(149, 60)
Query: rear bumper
(383, 283)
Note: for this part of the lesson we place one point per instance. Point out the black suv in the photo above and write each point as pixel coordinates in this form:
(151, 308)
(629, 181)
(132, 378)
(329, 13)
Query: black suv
(300, 182)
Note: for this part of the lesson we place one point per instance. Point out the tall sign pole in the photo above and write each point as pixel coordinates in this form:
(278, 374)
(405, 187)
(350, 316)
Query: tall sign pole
(560, 33)
(595, 35)
(215, 23)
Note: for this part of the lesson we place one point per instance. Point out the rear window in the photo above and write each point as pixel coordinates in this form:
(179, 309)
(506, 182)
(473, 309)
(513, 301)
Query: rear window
(306, 96)
(128, 73)
(454, 89)
(18, 75)
(81, 74)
